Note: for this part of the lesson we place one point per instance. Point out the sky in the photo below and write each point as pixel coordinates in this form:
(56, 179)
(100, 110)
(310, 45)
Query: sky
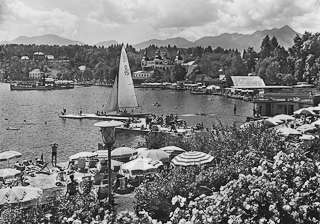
(135, 21)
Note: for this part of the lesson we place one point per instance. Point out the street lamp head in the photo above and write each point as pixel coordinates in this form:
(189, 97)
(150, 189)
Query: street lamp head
(108, 131)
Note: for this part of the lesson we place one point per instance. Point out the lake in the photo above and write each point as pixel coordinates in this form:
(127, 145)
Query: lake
(36, 114)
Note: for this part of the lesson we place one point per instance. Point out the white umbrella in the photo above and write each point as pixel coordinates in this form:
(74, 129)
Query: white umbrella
(122, 152)
(14, 195)
(4, 156)
(7, 155)
(82, 155)
(304, 111)
(307, 137)
(274, 120)
(155, 154)
(8, 172)
(316, 123)
(140, 150)
(306, 128)
(288, 131)
(284, 117)
(140, 166)
(170, 149)
(191, 158)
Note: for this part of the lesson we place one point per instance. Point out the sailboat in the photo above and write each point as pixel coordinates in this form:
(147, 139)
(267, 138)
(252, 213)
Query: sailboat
(123, 97)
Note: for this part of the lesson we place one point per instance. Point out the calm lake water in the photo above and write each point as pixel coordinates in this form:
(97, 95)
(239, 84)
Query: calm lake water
(36, 114)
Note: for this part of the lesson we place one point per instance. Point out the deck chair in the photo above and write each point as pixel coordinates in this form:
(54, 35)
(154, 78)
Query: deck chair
(103, 192)
(93, 163)
(82, 165)
(97, 179)
(44, 169)
(123, 183)
(85, 186)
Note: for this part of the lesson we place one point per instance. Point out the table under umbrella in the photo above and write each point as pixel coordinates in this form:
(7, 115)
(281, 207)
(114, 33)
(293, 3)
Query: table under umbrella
(192, 158)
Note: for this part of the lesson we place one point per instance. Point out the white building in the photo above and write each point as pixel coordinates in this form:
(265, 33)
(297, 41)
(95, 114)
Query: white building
(159, 62)
(36, 74)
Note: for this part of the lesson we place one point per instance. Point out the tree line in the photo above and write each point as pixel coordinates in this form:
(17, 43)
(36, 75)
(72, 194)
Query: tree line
(274, 64)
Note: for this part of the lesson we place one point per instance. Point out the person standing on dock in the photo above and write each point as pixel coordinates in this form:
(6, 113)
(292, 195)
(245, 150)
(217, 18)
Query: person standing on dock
(234, 109)
(54, 148)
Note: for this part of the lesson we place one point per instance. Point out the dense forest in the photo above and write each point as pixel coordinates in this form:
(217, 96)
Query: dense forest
(274, 64)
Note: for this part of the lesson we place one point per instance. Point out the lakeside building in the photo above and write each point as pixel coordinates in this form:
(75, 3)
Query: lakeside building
(24, 57)
(36, 74)
(39, 56)
(160, 62)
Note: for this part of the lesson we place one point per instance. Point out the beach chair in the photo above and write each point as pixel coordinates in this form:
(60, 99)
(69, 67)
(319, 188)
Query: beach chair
(82, 165)
(93, 163)
(103, 192)
(97, 179)
(61, 176)
(44, 169)
(85, 186)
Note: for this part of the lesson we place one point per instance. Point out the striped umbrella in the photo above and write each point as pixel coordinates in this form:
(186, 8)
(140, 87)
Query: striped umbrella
(191, 158)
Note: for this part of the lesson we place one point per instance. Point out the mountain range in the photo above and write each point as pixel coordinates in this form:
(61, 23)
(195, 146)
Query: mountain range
(284, 36)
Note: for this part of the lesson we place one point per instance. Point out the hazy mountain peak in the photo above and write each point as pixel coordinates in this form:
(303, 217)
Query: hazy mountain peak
(47, 39)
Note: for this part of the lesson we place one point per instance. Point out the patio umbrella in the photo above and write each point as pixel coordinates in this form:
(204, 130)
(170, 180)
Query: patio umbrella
(191, 158)
(140, 150)
(155, 154)
(170, 149)
(8, 172)
(306, 128)
(275, 120)
(140, 166)
(82, 155)
(15, 195)
(122, 152)
(288, 131)
(284, 117)
(307, 137)
(316, 123)
(304, 111)
(7, 155)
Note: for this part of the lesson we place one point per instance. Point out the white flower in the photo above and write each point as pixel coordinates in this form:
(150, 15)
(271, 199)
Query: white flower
(287, 208)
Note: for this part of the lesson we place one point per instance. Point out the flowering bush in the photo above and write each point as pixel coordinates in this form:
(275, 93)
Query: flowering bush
(286, 190)
(236, 150)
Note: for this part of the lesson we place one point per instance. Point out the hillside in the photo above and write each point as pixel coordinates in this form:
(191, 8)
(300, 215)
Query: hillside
(48, 39)
(179, 42)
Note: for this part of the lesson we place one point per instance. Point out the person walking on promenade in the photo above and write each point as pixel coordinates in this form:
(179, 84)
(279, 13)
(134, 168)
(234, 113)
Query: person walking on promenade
(54, 148)
(234, 109)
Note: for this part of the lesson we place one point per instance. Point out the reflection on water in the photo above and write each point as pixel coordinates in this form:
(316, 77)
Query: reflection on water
(36, 114)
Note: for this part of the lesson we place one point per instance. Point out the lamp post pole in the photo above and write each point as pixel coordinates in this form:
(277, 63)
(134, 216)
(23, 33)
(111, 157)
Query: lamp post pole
(107, 129)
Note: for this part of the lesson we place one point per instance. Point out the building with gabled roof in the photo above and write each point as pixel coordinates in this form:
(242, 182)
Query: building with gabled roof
(245, 82)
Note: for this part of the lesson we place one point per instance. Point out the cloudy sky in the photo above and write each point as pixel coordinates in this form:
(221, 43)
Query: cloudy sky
(134, 21)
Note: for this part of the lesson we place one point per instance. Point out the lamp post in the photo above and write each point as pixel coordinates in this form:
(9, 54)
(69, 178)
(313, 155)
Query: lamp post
(107, 129)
